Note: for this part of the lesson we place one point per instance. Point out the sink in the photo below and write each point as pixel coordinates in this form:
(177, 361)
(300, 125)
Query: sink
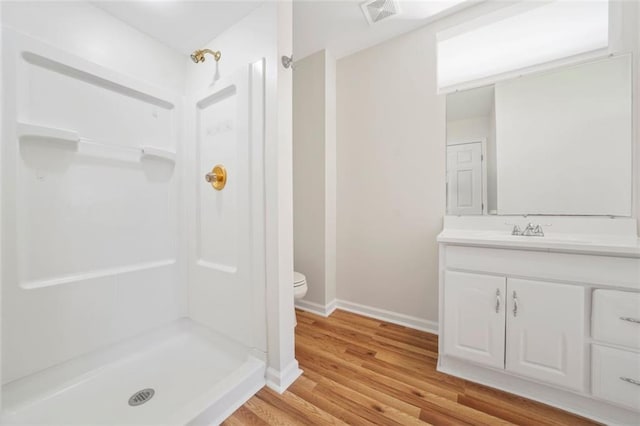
(602, 236)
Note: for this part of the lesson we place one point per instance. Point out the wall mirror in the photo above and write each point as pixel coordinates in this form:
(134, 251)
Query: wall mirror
(557, 142)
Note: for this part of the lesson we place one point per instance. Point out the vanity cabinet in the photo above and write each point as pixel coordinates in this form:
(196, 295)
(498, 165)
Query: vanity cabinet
(546, 332)
(616, 376)
(530, 328)
(616, 317)
(615, 354)
(555, 322)
(474, 317)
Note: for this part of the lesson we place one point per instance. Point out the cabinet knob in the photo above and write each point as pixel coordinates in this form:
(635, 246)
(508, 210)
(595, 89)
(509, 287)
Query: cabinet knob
(497, 301)
(515, 304)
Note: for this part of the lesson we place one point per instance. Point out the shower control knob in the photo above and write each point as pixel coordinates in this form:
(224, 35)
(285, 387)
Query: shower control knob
(217, 177)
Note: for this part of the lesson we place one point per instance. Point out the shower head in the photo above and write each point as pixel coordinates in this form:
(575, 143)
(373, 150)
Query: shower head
(198, 55)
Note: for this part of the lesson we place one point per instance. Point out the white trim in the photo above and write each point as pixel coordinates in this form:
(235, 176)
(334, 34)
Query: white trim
(278, 178)
(279, 381)
(389, 316)
(317, 308)
(332, 306)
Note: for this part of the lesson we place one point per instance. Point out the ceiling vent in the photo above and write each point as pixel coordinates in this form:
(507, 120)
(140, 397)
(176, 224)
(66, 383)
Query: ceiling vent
(377, 10)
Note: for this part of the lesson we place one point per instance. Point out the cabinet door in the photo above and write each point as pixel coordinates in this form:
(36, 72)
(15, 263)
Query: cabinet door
(474, 317)
(546, 332)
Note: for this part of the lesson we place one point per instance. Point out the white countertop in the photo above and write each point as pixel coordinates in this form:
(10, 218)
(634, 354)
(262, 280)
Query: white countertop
(607, 245)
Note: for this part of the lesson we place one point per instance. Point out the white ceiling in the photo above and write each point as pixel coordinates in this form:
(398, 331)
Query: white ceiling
(182, 25)
(336, 25)
(340, 26)
(470, 103)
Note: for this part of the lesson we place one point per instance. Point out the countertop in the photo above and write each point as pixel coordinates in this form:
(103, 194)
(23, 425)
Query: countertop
(605, 245)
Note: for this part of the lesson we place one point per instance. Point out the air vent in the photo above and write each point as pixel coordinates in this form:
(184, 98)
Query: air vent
(377, 10)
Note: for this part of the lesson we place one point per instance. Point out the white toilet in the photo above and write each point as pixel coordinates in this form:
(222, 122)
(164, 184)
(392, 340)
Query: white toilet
(299, 290)
(299, 285)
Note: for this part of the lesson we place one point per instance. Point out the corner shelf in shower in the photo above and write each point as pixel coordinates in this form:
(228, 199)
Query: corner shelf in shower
(152, 152)
(26, 131)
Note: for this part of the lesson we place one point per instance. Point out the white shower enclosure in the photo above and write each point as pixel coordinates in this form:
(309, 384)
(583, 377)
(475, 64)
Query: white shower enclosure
(133, 292)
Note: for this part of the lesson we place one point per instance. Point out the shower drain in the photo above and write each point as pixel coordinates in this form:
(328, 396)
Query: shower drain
(141, 397)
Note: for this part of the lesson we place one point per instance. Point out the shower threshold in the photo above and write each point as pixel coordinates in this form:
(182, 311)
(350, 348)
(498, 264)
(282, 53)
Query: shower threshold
(182, 374)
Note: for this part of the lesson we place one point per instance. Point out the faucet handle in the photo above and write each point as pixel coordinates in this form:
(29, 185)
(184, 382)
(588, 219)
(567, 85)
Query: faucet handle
(529, 230)
(516, 229)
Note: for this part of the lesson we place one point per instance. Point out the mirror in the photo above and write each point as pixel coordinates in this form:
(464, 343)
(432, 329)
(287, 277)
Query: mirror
(471, 152)
(552, 143)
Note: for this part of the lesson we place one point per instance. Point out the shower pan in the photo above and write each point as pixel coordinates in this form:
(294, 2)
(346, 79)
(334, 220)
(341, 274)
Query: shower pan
(133, 221)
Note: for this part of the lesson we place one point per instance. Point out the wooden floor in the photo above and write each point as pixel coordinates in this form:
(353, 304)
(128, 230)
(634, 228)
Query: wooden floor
(362, 371)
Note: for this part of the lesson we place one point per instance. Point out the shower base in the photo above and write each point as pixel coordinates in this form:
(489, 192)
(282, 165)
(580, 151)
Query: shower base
(197, 377)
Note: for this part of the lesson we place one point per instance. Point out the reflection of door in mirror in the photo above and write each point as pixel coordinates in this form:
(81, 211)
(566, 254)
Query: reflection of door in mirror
(471, 144)
(464, 179)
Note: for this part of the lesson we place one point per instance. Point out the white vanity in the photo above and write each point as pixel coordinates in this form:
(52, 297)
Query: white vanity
(540, 281)
(553, 318)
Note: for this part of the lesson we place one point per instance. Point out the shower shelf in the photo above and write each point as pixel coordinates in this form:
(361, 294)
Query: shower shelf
(151, 152)
(26, 130)
(31, 130)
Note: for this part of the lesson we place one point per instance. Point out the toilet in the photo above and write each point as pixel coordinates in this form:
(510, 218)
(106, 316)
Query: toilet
(299, 285)
(299, 290)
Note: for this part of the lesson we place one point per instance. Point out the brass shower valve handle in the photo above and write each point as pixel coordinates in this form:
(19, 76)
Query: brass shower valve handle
(217, 177)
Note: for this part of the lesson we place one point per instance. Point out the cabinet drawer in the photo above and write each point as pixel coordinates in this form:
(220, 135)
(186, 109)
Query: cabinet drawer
(616, 317)
(616, 376)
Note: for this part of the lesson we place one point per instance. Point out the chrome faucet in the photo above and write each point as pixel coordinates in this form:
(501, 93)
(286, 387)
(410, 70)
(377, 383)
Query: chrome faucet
(516, 230)
(530, 231)
(533, 231)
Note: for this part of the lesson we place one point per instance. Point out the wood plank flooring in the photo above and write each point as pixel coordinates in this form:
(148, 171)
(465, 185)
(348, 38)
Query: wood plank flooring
(362, 371)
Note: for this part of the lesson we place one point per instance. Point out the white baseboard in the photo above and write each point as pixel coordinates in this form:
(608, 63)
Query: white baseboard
(279, 381)
(316, 308)
(368, 311)
(388, 316)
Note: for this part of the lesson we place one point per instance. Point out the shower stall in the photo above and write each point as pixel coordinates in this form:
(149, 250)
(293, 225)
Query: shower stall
(134, 222)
